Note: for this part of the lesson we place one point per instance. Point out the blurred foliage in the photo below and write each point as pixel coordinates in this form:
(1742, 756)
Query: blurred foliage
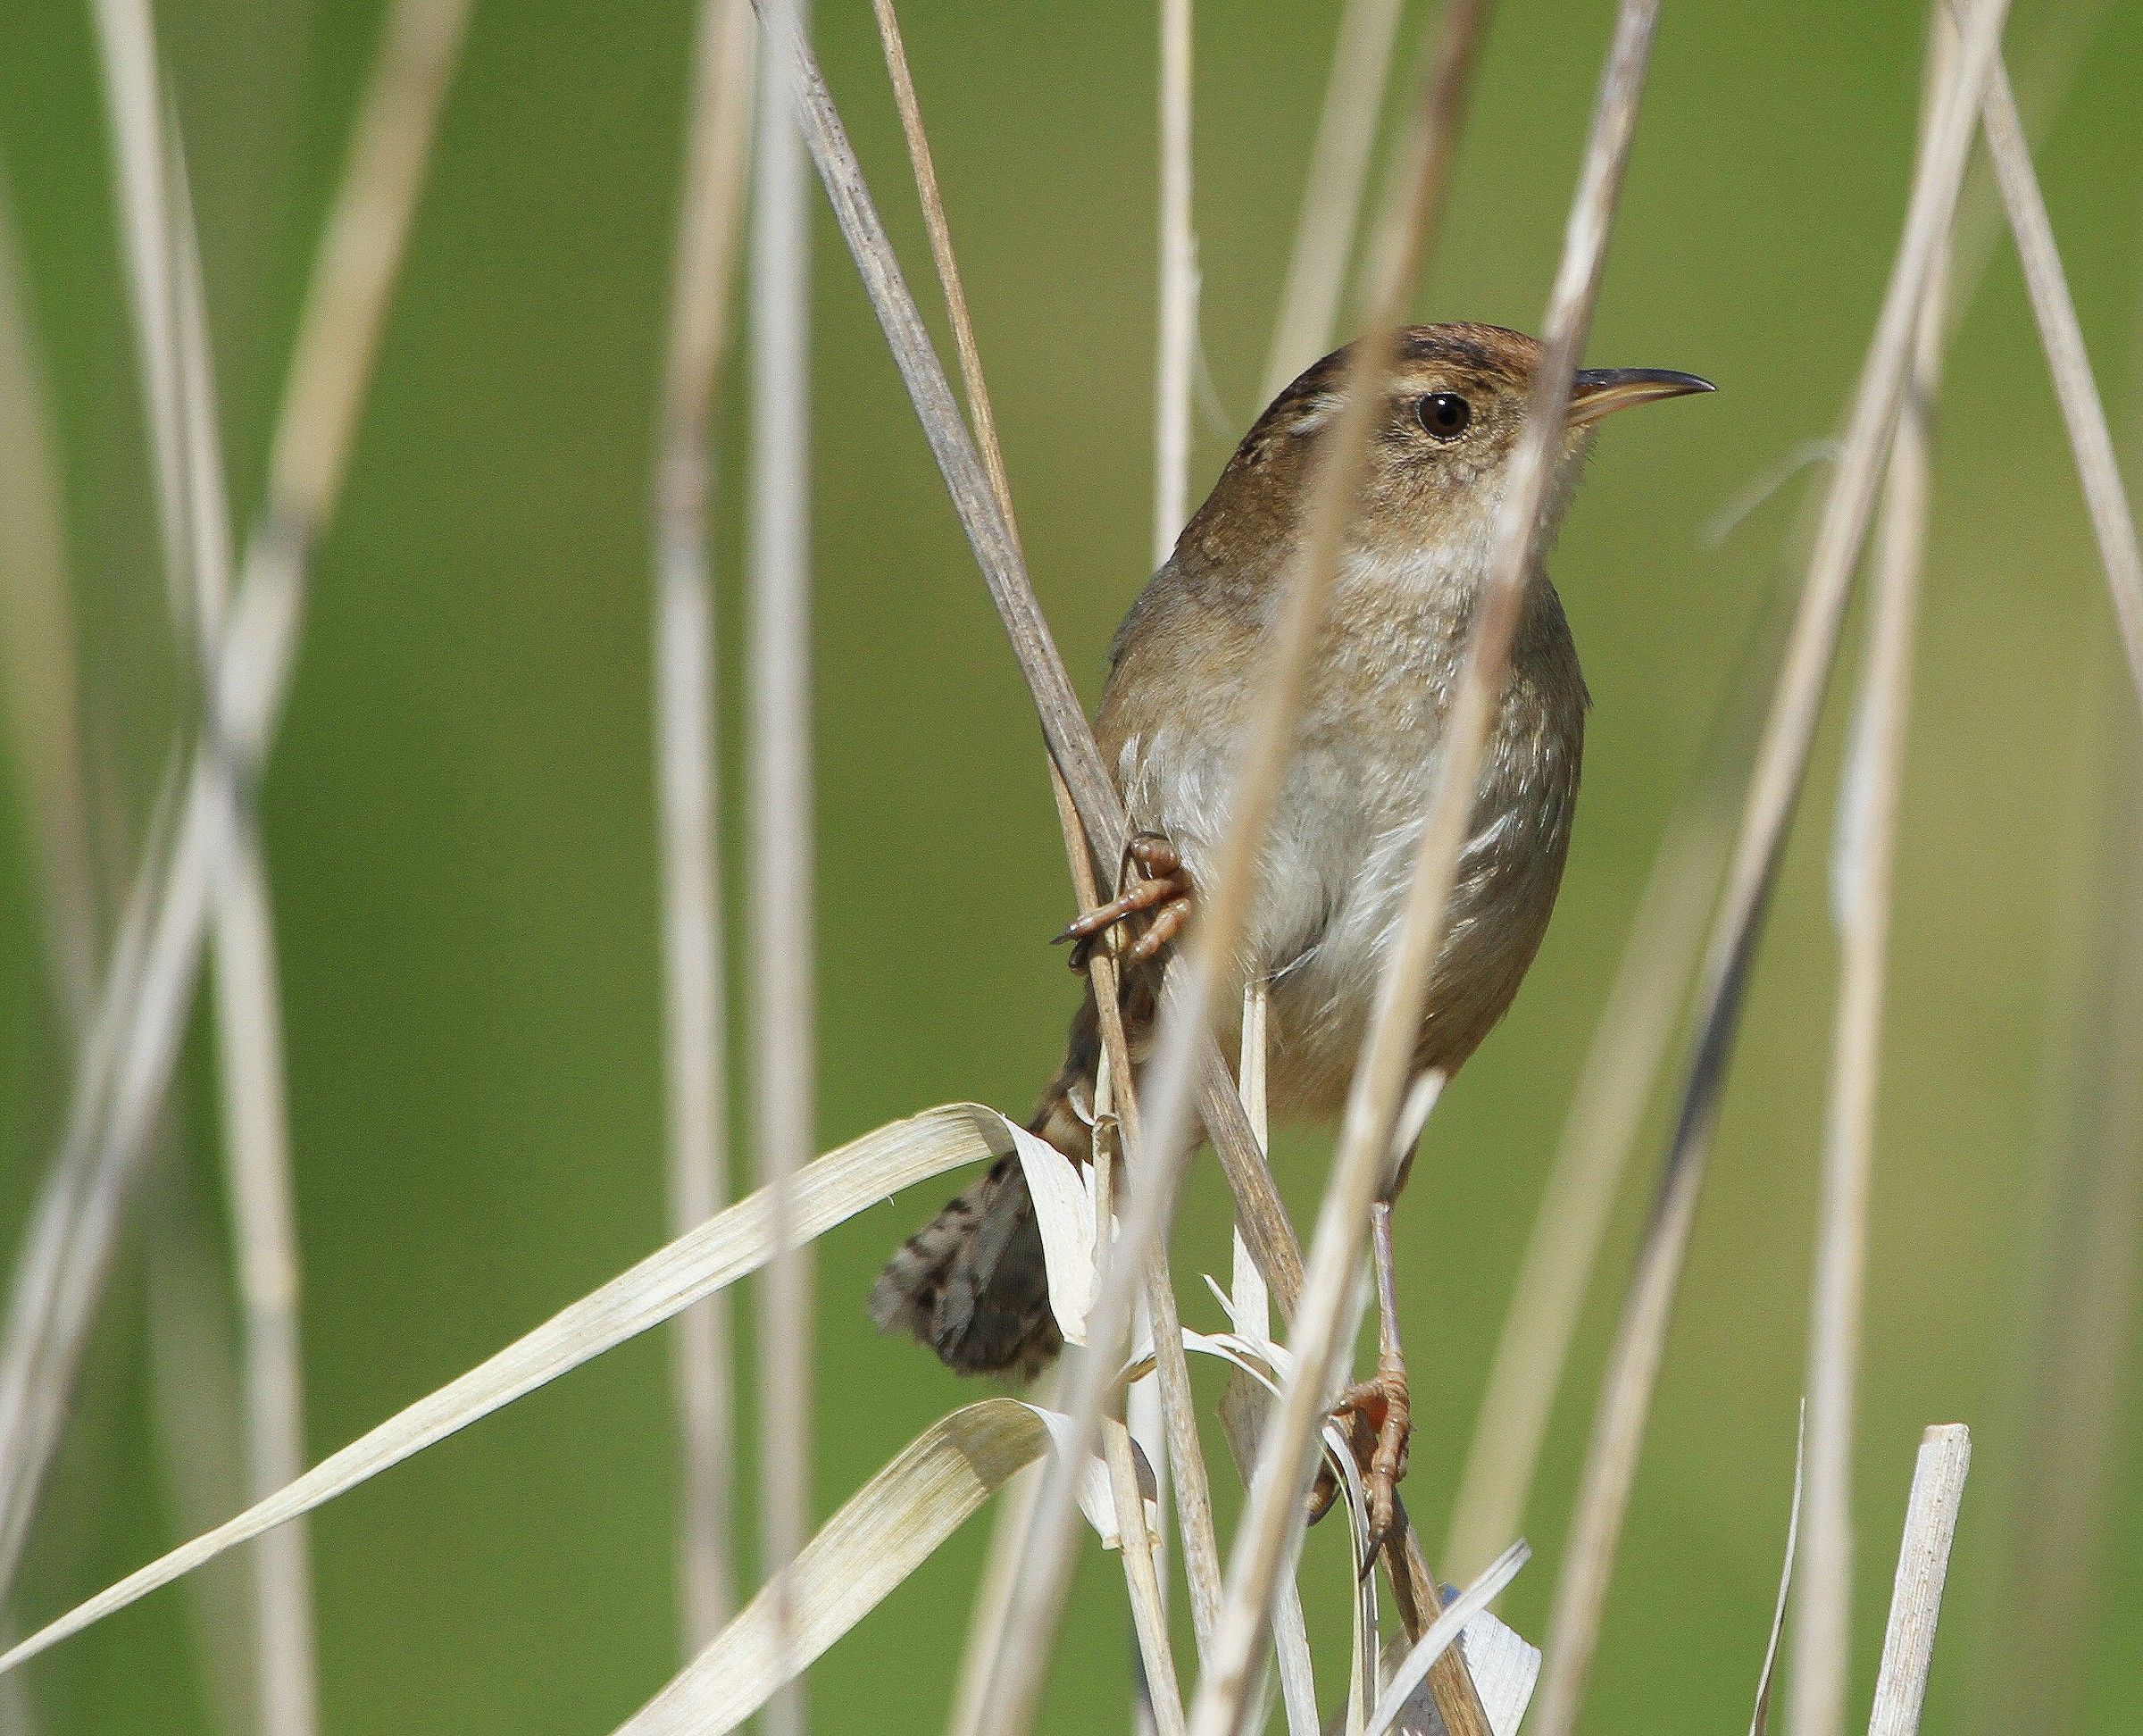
(459, 811)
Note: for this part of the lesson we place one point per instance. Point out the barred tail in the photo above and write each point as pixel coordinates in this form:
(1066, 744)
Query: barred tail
(972, 1283)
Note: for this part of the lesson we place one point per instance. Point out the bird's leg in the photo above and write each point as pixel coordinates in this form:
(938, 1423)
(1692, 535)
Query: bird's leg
(1382, 1402)
(1379, 1408)
(1162, 886)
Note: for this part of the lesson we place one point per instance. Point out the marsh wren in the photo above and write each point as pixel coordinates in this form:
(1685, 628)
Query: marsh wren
(1183, 680)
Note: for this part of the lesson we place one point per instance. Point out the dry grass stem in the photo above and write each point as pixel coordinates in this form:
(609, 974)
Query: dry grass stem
(2042, 86)
(1177, 342)
(777, 778)
(1759, 1720)
(1630, 1037)
(1930, 1523)
(1140, 1550)
(1332, 189)
(2113, 520)
(710, 209)
(1064, 726)
(1864, 861)
(196, 1421)
(1183, 1046)
(728, 1248)
(1193, 1494)
(1781, 760)
(164, 278)
(1270, 1529)
(140, 1008)
(249, 1053)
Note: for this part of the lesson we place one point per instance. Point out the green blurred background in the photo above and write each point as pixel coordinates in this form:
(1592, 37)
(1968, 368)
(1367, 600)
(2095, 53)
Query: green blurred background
(459, 811)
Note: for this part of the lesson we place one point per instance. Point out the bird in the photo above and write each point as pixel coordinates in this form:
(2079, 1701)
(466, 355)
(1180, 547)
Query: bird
(1183, 681)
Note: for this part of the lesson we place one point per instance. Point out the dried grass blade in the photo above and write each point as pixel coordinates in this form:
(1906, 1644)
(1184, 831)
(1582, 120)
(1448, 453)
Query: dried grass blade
(740, 1240)
(882, 1533)
(1781, 762)
(1414, 1668)
(1930, 1523)
(1759, 1720)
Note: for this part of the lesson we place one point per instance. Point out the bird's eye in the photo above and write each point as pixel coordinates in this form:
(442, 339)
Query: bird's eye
(1444, 416)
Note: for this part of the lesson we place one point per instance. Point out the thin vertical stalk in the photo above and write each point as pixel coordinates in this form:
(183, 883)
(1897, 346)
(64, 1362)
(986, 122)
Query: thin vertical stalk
(140, 1008)
(1176, 342)
(710, 207)
(1193, 1493)
(1332, 188)
(1931, 1524)
(249, 1050)
(1272, 1529)
(1781, 763)
(1614, 1084)
(1177, 330)
(1629, 1045)
(1864, 863)
(193, 498)
(1086, 780)
(196, 1418)
(1070, 739)
(1188, 999)
(779, 792)
(2113, 522)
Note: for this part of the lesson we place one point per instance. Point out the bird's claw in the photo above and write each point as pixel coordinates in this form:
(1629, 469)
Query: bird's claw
(1161, 888)
(1383, 1419)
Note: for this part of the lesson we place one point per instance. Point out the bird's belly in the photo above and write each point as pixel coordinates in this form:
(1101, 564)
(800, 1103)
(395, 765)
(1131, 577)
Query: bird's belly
(1332, 892)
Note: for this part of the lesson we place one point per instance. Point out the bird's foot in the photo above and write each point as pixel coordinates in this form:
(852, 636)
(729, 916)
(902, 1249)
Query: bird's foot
(1382, 1416)
(1162, 890)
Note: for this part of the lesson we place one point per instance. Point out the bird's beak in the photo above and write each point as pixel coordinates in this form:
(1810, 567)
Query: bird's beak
(1597, 391)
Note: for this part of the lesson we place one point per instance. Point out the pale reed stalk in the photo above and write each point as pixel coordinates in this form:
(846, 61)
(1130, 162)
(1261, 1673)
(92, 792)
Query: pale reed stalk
(710, 209)
(779, 795)
(1188, 999)
(1272, 1529)
(1781, 763)
(1863, 867)
(164, 277)
(133, 1030)
(1931, 1525)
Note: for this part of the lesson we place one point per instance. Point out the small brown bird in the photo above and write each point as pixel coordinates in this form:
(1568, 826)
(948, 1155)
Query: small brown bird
(1182, 685)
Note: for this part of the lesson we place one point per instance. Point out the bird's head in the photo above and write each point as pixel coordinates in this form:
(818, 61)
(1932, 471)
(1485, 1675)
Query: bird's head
(1441, 443)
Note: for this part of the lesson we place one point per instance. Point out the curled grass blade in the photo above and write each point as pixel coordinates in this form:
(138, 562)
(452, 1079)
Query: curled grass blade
(881, 1534)
(697, 1265)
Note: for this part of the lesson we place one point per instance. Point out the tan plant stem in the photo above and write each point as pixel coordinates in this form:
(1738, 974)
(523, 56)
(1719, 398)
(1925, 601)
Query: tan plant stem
(709, 208)
(1271, 1530)
(1781, 763)
(1866, 854)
